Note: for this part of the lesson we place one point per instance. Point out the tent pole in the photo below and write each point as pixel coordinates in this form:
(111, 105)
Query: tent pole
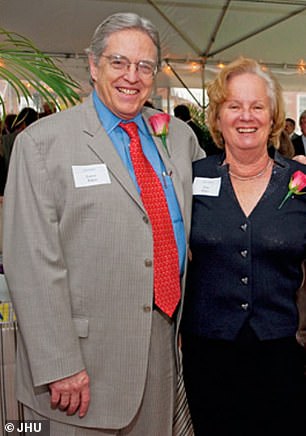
(183, 35)
(203, 90)
(168, 99)
(183, 83)
(258, 31)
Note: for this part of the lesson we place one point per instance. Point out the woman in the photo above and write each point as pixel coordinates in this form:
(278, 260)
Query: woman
(243, 366)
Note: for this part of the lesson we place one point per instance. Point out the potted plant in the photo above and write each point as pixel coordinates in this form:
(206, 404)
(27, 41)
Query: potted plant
(21, 60)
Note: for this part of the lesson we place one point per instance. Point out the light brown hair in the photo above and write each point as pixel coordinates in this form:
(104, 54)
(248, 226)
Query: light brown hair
(217, 91)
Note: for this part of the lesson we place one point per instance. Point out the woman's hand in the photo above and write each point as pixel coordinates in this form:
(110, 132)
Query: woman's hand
(300, 158)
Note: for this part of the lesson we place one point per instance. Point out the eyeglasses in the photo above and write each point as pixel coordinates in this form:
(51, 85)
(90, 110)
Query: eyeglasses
(121, 63)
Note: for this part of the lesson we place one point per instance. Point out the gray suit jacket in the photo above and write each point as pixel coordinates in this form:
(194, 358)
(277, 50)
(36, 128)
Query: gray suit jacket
(75, 262)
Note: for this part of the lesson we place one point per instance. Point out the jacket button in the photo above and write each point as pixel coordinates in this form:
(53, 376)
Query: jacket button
(245, 280)
(245, 306)
(145, 219)
(148, 262)
(244, 227)
(244, 253)
(147, 308)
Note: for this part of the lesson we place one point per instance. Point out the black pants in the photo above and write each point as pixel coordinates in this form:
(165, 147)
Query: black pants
(245, 388)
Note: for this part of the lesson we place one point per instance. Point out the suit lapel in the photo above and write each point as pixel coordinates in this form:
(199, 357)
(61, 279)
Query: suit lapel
(101, 145)
(168, 161)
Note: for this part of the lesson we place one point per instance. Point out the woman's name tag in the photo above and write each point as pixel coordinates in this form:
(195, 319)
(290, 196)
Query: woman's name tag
(206, 186)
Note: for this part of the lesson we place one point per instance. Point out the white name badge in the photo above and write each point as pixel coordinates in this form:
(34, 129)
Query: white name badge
(206, 186)
(90, 175)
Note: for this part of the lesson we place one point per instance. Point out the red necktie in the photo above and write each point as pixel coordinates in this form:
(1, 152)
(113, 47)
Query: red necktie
(167, 292)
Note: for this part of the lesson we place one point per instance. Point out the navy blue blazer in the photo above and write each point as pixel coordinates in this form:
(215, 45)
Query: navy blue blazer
(298, 145)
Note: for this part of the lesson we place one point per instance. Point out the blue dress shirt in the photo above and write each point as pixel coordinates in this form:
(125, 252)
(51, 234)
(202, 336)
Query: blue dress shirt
(121, 142)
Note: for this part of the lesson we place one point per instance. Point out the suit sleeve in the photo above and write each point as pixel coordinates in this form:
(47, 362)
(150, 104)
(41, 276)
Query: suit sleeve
(198, 152)
(34, 266)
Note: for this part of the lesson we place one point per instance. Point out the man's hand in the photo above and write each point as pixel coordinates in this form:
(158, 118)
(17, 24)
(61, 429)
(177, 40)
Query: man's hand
(71, 394)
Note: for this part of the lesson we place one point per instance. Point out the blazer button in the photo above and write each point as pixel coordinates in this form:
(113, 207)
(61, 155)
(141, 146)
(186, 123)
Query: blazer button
(245, 306)
(147, 308)
(244, 227)
(145, 219)
(245, 280)
(244, 253)
(148, 262)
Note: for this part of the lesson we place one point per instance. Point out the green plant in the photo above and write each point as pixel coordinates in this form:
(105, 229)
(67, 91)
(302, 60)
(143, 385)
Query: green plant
(21, 60)
(198, 116)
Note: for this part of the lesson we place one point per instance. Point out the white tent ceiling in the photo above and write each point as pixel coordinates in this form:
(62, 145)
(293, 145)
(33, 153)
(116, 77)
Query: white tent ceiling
(209, 31)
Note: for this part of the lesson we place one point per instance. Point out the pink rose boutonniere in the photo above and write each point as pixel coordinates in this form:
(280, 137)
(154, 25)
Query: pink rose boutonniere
(296, 184)
(160, 126)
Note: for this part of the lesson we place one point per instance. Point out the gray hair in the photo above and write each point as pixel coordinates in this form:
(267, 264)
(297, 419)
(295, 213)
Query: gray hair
(303, 115)
(115, 23)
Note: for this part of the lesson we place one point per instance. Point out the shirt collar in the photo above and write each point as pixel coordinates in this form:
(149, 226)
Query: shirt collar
(110, 121)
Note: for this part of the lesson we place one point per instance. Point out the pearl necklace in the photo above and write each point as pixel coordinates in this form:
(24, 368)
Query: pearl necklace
(256, 176)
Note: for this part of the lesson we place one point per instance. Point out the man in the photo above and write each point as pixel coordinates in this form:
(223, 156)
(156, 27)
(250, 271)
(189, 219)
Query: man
(96, 352)
(299, 142)
(49, 108)
(182, 111)
(290, 128)
(25, 117)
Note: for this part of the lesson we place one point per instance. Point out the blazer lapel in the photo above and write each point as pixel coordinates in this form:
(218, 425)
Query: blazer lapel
(101, 145)
(99, 142)
(168, 161)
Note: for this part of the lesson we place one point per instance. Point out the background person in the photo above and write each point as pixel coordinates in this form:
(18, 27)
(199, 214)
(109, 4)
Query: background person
(290, 128)
(182, 112)
(9, 124)
(96, 351)
(243, 368)
(49, 108)
(299, 142)
(285, 146)
(25, 118)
